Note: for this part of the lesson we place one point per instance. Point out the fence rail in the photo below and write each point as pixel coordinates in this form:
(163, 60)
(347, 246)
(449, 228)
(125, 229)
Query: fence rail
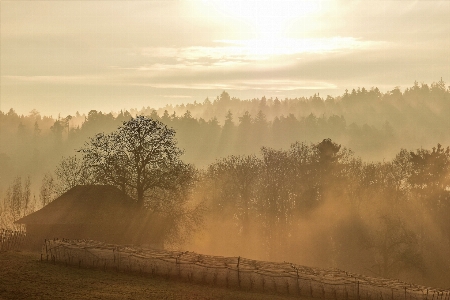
(239, 272)
(11, 239)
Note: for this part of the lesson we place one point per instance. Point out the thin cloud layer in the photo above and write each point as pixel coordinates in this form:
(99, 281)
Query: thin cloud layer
(148, 51)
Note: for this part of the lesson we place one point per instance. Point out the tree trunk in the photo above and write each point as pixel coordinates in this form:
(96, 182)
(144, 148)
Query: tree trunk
(140, 197)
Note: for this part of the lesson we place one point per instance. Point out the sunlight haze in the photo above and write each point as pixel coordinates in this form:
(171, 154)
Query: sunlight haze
(294, 148)
(68, 56)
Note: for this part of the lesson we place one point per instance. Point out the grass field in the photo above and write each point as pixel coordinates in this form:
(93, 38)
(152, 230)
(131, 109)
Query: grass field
(24, 276)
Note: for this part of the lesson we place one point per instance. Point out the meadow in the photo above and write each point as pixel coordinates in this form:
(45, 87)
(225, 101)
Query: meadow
(24, 276)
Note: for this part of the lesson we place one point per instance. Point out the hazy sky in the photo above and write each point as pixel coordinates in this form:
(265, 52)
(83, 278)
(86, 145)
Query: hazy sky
(68, 56)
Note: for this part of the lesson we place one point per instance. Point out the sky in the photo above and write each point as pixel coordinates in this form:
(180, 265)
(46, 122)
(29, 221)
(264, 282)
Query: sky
(68, 56)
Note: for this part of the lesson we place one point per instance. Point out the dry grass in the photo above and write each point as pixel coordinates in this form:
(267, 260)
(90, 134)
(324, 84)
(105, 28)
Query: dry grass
(23, 276)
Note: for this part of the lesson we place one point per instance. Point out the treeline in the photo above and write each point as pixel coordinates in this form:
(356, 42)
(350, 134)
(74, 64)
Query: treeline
(314, 203)
(371, 123)
(318, 204)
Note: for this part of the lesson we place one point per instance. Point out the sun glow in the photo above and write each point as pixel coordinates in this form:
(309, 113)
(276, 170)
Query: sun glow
(266, 19)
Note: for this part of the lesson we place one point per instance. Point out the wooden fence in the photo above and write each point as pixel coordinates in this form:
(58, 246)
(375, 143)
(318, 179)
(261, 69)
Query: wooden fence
(237, 272)
(12, 240)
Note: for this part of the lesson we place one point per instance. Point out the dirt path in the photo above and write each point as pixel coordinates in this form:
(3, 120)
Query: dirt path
(23, 276)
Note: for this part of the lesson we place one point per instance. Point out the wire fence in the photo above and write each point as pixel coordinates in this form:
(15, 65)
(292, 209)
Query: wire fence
(237, 272)
(12, 240)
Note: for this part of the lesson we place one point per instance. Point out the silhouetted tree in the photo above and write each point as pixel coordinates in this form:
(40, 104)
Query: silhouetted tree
(70, 172)
(140, 157)
(15, 197)
(57, 130)
(47, 191)
(275, 199)
(430, 176)
(244, 134)
(396, 249)
(227, 136)
(235, 180)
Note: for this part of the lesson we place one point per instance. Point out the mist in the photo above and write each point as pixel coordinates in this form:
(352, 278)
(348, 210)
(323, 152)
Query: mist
(358, 182)
(320, 205)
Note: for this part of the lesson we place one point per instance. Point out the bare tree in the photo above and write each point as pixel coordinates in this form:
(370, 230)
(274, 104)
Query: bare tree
(141, 157)
(16, 204)
(396, 248)
(47, 192)
(235, 181)
(71, 172)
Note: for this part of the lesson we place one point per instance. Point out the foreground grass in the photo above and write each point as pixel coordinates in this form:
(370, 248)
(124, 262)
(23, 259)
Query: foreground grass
(24, 276)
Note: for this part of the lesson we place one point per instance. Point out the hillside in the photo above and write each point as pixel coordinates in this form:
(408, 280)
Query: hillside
(23, 276)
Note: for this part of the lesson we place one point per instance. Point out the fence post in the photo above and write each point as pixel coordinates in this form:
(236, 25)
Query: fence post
(118, 259)
(239, 278)
(357, 290)
(178, 265)
(46, 249)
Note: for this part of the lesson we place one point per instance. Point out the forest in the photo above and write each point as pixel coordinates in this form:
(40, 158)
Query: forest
(359, 182)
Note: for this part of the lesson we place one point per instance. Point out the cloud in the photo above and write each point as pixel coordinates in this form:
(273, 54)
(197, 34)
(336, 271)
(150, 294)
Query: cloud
(57, 79)
(259, 49)
(94, 51)
(237, 85)
(176, 96)
(243, 64)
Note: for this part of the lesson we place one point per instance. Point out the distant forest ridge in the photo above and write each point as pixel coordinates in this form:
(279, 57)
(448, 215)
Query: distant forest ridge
(373, 124)
(275, 107)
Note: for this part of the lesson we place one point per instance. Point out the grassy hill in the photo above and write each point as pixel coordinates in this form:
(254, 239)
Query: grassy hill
(24, 276)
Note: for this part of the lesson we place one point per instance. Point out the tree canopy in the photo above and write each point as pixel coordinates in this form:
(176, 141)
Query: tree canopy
(141, 157)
